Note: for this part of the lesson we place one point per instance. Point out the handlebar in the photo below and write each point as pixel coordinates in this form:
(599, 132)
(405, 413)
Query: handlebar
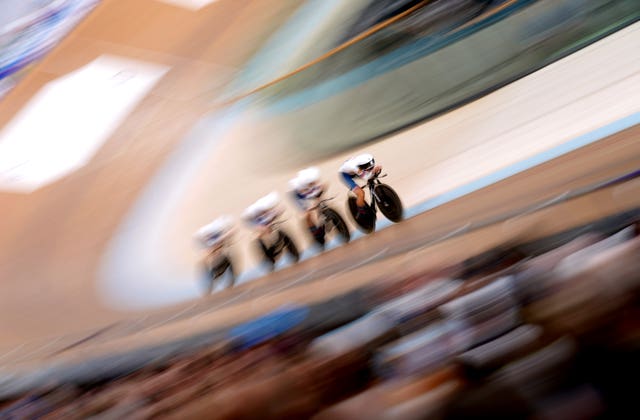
(321, 202)
(373, 179)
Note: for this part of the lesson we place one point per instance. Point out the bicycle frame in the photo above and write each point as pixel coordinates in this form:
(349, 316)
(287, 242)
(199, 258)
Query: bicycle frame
(319, 207)
(322, 204)
(371, 185)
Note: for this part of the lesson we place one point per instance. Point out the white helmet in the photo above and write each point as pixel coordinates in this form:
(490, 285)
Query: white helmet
(263, 204)
(269, 201)
(364, 162)
(211, 233)
(305, 178)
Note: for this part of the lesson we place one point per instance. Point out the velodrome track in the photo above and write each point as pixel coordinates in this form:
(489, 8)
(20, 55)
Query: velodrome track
(50, 246)
(54, 241)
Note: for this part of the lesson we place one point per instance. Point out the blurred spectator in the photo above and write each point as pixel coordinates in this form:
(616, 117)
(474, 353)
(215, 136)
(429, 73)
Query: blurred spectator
(31, 28)
(490, 347)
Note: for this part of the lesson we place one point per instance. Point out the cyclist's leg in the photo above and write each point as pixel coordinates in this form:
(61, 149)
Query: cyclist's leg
(359, 192)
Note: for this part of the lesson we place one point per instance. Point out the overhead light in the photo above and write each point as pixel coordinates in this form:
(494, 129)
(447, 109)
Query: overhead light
(68, 120)
(189, 4)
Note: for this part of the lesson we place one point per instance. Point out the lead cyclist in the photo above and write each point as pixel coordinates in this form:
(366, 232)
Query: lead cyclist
(362, 166)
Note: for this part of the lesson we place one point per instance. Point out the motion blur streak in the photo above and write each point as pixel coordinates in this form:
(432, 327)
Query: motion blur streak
(189, 4)
(508, 288)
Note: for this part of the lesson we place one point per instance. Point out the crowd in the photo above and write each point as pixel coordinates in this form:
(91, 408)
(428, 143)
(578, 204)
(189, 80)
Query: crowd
(27, 39)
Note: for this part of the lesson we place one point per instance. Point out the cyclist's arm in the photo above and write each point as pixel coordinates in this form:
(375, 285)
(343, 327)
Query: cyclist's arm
(347, 178)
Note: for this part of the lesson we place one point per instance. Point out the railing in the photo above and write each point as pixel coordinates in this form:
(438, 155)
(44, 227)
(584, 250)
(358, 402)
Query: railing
(421, 63)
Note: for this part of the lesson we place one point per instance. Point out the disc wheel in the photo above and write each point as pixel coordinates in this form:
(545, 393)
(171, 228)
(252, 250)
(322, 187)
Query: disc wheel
(389, 203)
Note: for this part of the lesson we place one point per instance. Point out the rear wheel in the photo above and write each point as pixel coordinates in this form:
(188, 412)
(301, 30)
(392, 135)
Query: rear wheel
(388, 202)
(336, 221)
(366, 222)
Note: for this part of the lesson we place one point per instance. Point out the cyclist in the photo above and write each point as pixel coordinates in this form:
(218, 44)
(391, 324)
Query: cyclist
(261, 215)
(364, 167)
(215, 237)
(306, 189)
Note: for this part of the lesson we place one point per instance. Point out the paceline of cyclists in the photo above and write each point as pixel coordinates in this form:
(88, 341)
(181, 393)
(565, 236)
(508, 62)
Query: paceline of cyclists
(322, 221)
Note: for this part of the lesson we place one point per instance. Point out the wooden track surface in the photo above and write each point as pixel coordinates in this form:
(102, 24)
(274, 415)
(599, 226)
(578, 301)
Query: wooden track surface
(53, 239)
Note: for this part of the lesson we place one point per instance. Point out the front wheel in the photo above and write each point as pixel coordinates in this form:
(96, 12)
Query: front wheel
(334, 220)
(388, 202)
